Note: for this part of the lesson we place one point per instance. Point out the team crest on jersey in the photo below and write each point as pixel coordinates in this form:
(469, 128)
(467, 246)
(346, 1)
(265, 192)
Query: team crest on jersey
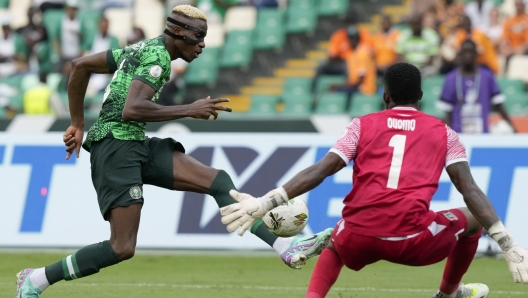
(450, 216)
(155, 71)
(135, 192)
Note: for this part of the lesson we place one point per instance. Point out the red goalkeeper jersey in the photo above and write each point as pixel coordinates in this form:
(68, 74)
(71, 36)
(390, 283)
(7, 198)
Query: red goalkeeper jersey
(398, 155)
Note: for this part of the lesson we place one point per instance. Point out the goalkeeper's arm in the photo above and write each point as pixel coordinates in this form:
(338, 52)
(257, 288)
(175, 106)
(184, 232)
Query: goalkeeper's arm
(481, 208)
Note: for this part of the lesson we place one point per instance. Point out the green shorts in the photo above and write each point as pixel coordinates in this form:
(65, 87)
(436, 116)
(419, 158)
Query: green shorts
(120, 168)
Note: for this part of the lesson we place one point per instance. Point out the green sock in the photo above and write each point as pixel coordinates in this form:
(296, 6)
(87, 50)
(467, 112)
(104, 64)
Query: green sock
(87, 261)
(258, 229)
(219, 190)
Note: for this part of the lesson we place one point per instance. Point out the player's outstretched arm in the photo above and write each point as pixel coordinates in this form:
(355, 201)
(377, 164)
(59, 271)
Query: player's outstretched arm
(82, 68)
(481, 208)
(139, 107)
(249, 209)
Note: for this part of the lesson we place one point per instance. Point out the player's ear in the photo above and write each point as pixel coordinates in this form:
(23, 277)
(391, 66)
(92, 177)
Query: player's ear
(386, 97)
(421, 95)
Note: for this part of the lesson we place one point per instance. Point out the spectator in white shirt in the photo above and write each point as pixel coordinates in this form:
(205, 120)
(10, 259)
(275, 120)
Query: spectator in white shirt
(479, 13)
(7, 49)
(69, 43)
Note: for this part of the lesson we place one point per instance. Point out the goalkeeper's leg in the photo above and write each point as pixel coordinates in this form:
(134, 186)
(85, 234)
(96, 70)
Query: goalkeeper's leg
(124, 224)
(461, 256)
(325, 274)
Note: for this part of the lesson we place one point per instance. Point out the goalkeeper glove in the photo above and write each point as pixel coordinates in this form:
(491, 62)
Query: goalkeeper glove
(516, 257)
(248, 209)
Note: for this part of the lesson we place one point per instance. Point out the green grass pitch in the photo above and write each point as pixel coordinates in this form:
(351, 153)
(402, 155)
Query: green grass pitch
(248, 276)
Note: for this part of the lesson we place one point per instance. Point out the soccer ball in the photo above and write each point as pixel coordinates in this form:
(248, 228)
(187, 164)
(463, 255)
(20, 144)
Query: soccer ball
(288, 219)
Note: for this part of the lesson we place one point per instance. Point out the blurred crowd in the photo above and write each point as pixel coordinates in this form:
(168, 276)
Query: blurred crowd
(430, 38)
(56, 33)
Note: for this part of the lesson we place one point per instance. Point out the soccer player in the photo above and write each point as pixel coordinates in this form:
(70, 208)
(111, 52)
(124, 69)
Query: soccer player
(398, 157)
(123, 158)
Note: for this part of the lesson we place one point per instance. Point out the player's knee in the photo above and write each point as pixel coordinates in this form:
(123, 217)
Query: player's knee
(124, 251)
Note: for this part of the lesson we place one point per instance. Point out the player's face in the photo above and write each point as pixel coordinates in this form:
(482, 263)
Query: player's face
(190, 52)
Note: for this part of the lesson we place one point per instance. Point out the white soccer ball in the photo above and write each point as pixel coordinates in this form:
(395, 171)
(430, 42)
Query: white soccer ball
(288, 219)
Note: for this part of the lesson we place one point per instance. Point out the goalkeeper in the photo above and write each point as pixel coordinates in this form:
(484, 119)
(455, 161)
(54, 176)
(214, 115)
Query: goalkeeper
(398, 155)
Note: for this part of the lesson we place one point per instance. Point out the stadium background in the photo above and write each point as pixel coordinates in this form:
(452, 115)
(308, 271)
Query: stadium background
(264, 60)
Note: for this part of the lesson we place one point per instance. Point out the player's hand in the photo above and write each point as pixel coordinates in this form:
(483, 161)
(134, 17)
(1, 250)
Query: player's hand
(242, 214)
(517, 259)
(207, 107)
(73, 138)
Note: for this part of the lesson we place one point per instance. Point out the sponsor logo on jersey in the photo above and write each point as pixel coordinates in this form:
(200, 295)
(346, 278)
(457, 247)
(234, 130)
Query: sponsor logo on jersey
(401, 124)
(155, 71)
(135, 192)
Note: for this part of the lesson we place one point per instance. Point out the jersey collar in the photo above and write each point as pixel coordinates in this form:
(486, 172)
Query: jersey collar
(404, 108)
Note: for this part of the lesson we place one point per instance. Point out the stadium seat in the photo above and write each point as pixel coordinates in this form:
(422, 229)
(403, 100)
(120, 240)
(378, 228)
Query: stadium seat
(301, 20)
(203, 70)
(433, 85)
(509, 87)
(332, 7)
(264, 104)
(52, 20)
(237, 49)
(215, 37)
(297, 86)
(89, 26)
(269, 32)
(429, 107)
(266, 39)
(18, 10)
(15, 82)
(240, 18)
(147, 17)
(331, 103)
(517, 104)
(120, 22)
(324, 82)
(4, 4)
(517, 68)
(301, 104)
(364, 104)
(302, 4)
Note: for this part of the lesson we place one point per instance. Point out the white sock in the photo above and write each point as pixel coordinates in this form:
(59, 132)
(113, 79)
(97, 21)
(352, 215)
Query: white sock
(281, 244)
(38, 279)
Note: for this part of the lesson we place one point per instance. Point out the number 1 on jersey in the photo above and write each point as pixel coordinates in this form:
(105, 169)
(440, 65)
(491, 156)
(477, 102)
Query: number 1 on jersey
(398, 143)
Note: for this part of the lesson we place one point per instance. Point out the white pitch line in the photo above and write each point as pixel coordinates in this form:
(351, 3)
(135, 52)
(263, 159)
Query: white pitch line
(267, 288)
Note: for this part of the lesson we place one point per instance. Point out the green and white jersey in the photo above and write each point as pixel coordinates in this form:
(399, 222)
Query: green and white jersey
(147, 61)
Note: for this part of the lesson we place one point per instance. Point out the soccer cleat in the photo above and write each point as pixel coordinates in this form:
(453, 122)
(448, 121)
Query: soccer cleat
(25, 288)
(303, 248)
(467, 291)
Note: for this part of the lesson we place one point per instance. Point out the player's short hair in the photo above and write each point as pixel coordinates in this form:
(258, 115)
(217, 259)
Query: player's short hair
(189, 11)
(403, 82)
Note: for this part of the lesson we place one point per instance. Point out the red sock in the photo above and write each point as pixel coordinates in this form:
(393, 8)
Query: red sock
(325, 274)
(458, 263)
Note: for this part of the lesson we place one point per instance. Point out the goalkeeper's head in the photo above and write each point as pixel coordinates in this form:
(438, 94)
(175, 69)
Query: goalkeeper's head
(186, 27)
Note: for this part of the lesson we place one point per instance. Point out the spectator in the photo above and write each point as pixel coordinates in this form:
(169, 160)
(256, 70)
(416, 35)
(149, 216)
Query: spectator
(449, 16)
(384, 45)
(487, 55)
(419, 45)
(102, 41)
(515, 34)
(479, 13)
(360, 67)
(33, 34)
(135, 36)
(44, 5)
(469, 93)
(495, 29)
(338, 48)
(69, 42)
(8, 53)
(39, 99)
